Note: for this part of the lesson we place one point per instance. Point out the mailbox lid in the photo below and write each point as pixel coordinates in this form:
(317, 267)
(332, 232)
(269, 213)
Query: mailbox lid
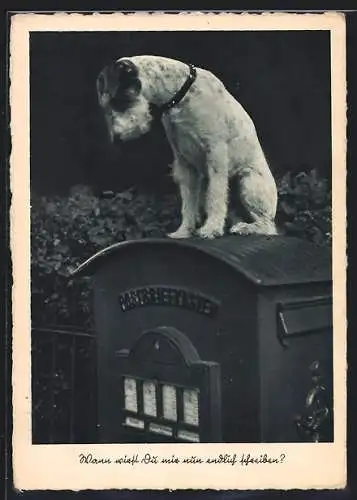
(263, 260)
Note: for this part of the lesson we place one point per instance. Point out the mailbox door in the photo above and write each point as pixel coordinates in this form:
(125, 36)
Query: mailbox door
(296, 364)
(167, 393)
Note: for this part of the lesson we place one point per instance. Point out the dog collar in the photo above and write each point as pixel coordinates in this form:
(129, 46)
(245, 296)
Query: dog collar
(180, 94)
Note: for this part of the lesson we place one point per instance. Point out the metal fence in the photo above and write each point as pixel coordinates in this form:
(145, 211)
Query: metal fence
(64, 406)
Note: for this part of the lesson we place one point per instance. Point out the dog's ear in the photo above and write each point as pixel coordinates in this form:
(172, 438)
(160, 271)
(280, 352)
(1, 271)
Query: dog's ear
(128, 81)
(126, 72)
(120, 82)
(126, 69)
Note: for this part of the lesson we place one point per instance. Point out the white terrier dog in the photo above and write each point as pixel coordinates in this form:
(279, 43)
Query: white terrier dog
(213, 139)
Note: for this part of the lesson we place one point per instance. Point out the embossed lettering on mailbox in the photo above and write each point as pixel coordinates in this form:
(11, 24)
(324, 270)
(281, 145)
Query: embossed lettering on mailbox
(168, 296)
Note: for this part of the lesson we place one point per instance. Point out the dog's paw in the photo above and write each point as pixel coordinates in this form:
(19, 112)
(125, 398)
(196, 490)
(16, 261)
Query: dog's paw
(181, 233)
(245, 228)
(209, 233)
(241, 228)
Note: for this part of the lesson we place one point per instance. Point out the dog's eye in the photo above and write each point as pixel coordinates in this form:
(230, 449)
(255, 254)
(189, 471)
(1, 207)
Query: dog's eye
(119, 103)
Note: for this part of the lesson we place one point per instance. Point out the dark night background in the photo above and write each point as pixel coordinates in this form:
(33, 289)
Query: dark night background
(281, 78)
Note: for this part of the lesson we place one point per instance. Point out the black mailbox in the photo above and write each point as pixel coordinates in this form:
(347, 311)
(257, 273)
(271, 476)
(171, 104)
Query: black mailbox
(245, 321)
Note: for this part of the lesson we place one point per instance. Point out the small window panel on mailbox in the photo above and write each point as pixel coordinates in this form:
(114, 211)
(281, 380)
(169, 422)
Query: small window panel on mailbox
(166, 392)
(256, 310)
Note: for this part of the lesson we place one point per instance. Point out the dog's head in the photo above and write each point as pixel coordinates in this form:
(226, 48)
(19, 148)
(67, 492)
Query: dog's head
(128, 113)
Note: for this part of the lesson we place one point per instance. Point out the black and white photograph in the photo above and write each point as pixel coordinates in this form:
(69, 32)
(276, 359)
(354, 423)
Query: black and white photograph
(181, 208)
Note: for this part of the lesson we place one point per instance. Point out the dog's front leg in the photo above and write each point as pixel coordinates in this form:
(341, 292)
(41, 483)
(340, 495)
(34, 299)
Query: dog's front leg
(216, 202)
(189, 186)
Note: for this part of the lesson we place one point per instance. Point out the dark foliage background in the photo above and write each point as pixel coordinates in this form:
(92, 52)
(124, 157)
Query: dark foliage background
(282, 79)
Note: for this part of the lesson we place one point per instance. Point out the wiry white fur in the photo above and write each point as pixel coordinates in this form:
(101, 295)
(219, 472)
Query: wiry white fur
(133, 124)
(213, 139)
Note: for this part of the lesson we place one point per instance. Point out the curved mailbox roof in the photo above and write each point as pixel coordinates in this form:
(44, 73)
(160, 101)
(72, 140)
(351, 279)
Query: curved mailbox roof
(264, 260)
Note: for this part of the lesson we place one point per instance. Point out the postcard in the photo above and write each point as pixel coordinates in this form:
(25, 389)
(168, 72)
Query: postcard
(178, 243)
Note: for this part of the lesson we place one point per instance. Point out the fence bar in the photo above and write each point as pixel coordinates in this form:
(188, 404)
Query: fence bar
(60, 399)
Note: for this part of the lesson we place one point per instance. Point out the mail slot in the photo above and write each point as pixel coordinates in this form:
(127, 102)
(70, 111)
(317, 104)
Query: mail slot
(255, 310)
